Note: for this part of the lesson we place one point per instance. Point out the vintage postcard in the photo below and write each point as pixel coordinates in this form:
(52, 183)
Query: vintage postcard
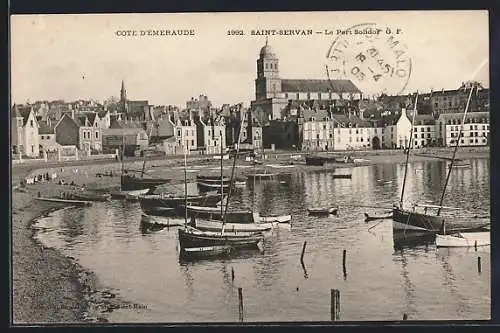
(250, 167)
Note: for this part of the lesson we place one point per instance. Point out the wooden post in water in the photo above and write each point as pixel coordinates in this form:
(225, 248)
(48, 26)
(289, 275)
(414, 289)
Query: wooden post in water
(344, 253)
(240, 301)
(479, 264)
(335, 304)
(475, 245)
(232, 274)
(303, 252)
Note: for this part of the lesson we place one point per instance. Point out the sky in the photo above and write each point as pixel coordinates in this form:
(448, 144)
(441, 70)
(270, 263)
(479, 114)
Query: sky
(72, 57)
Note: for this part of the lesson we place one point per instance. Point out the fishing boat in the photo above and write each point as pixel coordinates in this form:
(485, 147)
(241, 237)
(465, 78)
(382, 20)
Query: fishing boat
(91, 196)
(160, 221)
(369, 218)
(322, 210)
(319, 160)
(190, 237)
(212, 179)
(131, 182)
(464, 239)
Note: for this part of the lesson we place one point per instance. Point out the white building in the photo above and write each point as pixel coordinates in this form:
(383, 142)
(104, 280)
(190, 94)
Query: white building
(476, 128)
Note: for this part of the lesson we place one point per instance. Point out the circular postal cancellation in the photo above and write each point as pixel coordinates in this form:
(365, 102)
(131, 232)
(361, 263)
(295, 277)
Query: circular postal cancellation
(373, 58)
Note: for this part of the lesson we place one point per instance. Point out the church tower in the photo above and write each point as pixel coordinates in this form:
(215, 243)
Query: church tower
(123, 98)
(268, 82)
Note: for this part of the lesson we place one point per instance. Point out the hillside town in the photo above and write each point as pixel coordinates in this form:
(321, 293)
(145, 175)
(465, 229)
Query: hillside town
(287, 114)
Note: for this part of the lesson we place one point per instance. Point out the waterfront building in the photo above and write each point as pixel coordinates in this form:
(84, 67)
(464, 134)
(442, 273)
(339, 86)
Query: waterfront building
(475, 131)
(80, 131)
(24, 131)
(211, 135)
(47, 136)
(130, 139)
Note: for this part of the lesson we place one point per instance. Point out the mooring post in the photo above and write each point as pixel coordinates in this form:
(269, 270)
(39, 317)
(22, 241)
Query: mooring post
(335, 304)
(303, 251)
(479, 264)
(475, 245)
(344, 253)
(232, 274)
(240, 301)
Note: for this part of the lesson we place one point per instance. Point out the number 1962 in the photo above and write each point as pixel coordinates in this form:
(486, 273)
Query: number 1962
(235, 32)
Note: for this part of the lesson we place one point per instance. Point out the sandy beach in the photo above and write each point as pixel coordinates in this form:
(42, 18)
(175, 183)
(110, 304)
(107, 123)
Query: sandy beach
(51, 288)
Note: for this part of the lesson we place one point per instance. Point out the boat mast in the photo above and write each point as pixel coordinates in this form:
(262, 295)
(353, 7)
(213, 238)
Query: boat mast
(121, 160)
(408, 151)
(144, 163)
(221, 178)
(232, 170)
(185, 190)
(455, 151)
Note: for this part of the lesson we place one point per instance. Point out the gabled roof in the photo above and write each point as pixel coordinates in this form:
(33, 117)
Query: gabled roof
(324, 86)
(460, 116)
(45, 128)
(21, 111)
(318, 115)
(81, 121)
(422, 119)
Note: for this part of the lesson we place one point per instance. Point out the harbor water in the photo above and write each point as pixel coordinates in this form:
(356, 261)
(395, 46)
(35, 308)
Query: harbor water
(387, 276)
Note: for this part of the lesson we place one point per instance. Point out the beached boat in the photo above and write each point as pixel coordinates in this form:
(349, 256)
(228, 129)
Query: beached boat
(91, 196)
(464, 239)
(369, 218)
(322, 210)
(131, 182)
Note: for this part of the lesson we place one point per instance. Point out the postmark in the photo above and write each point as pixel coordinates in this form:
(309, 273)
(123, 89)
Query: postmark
(374, 58)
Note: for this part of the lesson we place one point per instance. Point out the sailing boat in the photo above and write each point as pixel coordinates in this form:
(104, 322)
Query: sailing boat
(210, 241)
(411, 220)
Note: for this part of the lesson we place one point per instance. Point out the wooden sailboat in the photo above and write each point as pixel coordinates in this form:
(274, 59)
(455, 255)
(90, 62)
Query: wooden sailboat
(322, 210)
(191, 237)
(404, 219)
(411, 219)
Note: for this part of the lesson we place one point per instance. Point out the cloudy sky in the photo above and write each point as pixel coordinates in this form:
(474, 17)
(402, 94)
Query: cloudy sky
(80, 56)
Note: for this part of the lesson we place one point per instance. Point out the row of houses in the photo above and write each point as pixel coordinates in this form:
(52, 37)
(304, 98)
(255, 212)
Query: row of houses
(321, 130)
(305, 129)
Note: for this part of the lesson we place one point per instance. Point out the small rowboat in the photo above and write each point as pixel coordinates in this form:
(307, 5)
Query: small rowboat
(322, 210)
(369, 218)
(464, 239)
(204, 252)
(213, 225)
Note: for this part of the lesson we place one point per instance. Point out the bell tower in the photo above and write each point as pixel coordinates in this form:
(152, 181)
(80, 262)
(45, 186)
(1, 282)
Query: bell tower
(268, 82)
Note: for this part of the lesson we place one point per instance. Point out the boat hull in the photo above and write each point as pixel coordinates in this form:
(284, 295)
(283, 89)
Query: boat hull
(130, 183)
(464, 239)
(91, 197)
(233, 227)
(205, 252)
(168, 205)
(322, 211)
(190, 237)
(408, 220)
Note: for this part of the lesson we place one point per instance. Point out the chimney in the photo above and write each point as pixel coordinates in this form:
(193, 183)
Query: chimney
(72, 114)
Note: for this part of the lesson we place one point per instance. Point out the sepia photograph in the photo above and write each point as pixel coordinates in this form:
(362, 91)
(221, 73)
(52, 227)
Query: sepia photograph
(250, 167)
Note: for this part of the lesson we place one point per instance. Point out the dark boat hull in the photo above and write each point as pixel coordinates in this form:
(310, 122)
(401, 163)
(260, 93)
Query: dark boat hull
(91, 197)
(413, 221)
(157, 205)
(194, 239)
(130, 183)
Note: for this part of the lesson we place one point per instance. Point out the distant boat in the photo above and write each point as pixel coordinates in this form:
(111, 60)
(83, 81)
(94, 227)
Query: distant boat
(322, 210)
(128, 194)
(214, 225)
(235, 216)
(132, 182)
(212, 186)
(347, 176)
(460, 164)
(319, 160)
(464, 239)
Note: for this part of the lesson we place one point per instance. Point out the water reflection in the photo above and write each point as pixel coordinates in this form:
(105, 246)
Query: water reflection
(399, 268)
